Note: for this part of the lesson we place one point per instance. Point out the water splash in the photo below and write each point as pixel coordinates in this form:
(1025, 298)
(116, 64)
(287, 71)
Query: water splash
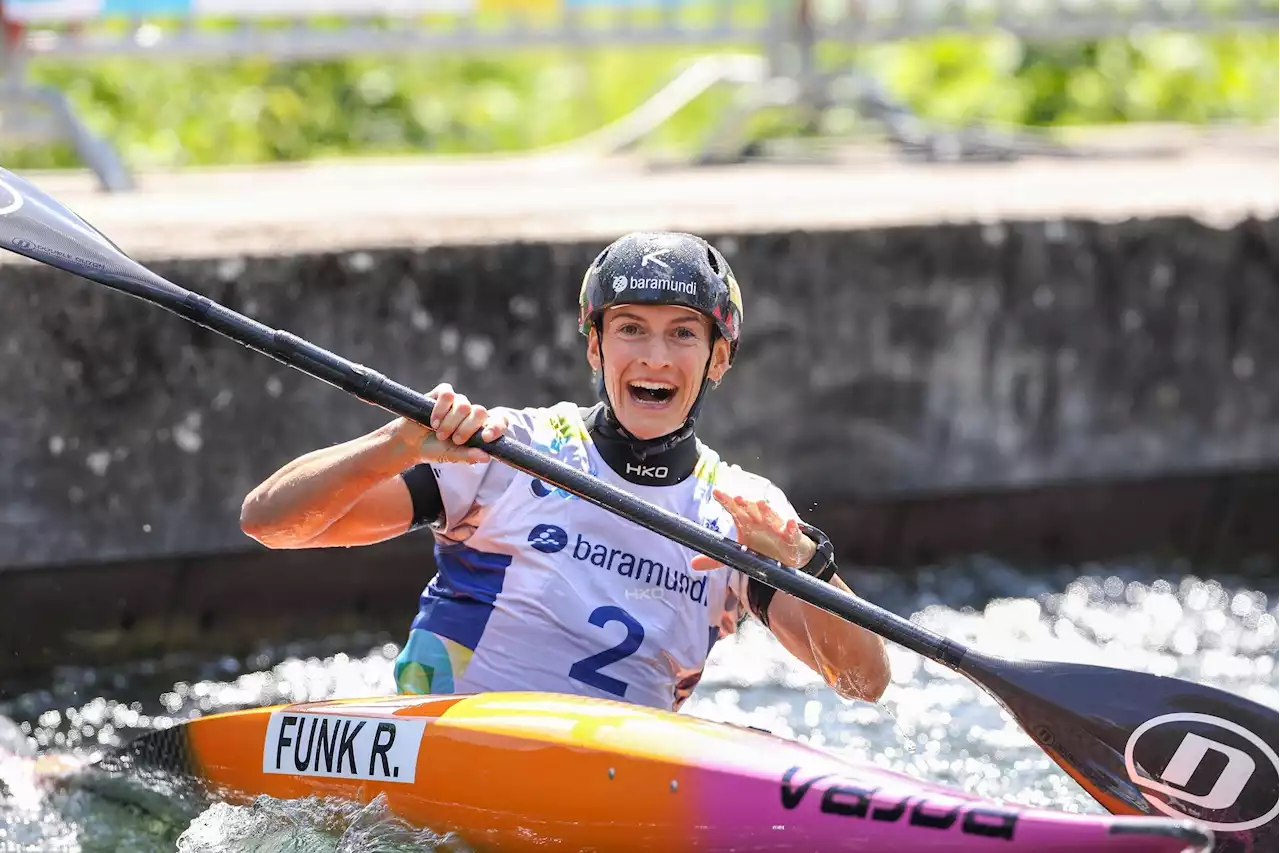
(310, 825)
(931, 722)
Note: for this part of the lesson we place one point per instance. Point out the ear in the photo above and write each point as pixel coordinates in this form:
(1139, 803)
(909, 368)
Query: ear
(593, 348)
(719, 360)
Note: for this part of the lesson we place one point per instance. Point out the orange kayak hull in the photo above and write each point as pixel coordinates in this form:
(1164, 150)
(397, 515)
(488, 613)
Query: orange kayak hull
(550, 772)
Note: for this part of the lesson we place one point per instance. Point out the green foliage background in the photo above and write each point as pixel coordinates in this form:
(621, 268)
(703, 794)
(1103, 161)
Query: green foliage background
(172, 113)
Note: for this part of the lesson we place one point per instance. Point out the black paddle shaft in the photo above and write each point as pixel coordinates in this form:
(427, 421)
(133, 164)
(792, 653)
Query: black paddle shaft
(36, 226)
(375, 388)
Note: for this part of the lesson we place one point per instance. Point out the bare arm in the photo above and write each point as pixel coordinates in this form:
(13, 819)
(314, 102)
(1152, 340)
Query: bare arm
(351, 493)
(348, 494)
(850, 659)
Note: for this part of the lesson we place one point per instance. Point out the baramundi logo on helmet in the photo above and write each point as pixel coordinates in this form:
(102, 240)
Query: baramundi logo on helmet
(622, 282)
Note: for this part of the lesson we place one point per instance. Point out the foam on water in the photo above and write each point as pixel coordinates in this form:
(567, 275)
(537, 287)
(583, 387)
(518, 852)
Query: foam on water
(931, 723)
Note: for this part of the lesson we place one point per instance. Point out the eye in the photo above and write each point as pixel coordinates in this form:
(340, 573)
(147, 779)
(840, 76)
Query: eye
(685, 333)
(629, 329)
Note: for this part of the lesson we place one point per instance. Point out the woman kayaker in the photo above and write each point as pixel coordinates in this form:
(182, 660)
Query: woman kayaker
(537, 589)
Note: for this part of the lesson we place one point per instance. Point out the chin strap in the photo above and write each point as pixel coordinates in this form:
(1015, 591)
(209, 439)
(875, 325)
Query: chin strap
(644, 448)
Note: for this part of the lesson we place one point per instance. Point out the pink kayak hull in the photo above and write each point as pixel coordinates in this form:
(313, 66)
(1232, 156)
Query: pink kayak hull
(540, 772)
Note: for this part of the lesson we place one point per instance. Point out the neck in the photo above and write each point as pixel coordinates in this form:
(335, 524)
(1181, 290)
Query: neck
(662, 461)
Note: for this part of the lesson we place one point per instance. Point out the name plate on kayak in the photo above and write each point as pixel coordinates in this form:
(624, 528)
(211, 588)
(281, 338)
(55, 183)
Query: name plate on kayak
(380, 749)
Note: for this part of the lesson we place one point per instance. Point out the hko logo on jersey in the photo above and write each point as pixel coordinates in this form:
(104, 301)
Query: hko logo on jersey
(550, 539)
(1224, 774)
(657, 472)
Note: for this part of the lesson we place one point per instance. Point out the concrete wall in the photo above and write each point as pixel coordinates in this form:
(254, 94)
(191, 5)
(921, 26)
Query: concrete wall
(918, 361)
(1053, 389)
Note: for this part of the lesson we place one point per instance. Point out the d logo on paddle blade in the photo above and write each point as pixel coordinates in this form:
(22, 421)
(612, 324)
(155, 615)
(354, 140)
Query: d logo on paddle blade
(1205, 767)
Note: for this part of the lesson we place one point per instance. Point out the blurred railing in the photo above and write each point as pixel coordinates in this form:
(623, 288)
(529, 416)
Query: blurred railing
(312, 29)
(782, 39)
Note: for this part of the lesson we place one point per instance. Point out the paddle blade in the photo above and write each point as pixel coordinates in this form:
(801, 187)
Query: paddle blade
(35, 225)
(1144, 744)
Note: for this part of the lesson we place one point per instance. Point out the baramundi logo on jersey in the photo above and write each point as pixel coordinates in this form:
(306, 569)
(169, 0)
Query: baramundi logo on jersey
(648, 573)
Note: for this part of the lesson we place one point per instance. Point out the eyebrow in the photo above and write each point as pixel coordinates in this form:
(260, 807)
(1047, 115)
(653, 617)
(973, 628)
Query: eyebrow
(629, 315)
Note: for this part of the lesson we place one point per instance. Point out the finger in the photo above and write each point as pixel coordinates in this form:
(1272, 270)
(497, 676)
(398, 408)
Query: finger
(703, 563)
(456, 415)
(443, 403)
(726, 500)
(750, 511)
(774, 520)
(767, 512)
(740, 508)
(470, 424)
(495, 427)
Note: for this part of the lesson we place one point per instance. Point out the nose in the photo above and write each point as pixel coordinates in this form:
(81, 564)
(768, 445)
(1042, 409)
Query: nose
(656, 352)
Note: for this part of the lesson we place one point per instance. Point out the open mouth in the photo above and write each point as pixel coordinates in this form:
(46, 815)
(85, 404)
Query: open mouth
(651, 393)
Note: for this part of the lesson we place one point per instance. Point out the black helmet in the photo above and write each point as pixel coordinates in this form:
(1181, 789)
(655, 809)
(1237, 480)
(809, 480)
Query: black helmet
(663, 268)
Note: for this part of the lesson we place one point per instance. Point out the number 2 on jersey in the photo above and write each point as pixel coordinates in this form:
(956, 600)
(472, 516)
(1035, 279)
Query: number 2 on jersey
(588, 671)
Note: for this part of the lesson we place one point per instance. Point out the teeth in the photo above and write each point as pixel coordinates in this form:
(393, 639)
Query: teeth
(654, 386)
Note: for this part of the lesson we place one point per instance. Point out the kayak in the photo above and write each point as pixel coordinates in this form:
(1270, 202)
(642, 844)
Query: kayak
(528, 771)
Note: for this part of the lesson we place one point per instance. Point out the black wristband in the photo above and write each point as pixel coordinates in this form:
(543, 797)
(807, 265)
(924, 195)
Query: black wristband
(822, 565)
(424, 491)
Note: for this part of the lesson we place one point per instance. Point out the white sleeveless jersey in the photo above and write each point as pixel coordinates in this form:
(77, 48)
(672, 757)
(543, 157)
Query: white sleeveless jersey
(538, 589)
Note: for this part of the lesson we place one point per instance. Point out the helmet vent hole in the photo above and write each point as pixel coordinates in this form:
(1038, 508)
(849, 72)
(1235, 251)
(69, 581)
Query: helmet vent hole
(714, 260)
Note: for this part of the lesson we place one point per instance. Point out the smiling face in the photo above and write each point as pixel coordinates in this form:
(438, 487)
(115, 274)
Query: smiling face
(654, 358)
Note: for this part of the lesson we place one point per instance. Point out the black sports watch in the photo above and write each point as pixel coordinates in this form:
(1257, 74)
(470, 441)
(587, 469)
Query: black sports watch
(822, 565)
